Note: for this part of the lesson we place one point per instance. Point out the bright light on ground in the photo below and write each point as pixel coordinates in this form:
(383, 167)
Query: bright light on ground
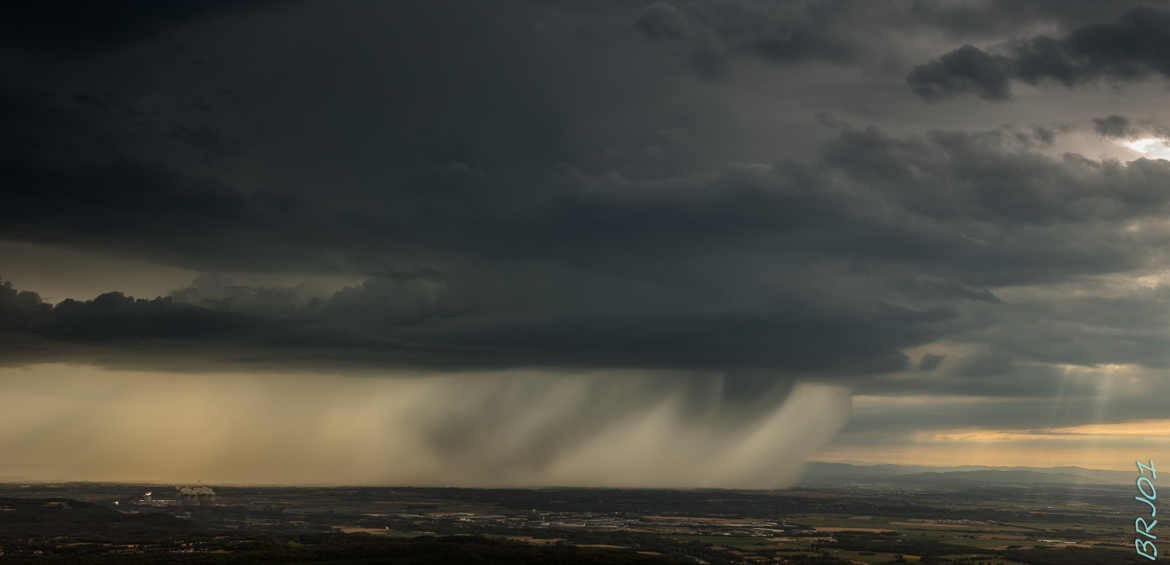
(1150, 147)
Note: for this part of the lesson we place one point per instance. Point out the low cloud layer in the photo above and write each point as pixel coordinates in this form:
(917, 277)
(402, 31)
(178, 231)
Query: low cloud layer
(912, 231)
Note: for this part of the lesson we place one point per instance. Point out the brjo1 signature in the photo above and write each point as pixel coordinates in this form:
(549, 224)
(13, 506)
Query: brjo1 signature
(1147, 494)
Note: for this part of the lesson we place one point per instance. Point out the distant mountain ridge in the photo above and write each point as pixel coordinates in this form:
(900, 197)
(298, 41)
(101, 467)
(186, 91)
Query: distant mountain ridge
(821, 474)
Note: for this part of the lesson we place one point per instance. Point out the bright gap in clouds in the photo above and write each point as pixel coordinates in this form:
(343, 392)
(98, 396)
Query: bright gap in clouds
(1149, 147)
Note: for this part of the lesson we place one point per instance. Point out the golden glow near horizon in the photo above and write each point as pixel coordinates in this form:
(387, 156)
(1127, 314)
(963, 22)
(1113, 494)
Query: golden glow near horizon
(75, 422)
(1100, 446)
(960, 454)
(1089, 436)
(505, 428)
(1153, 430)
(497, 428)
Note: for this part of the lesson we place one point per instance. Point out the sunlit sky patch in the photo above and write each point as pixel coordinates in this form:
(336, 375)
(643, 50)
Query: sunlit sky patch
(1149, 147)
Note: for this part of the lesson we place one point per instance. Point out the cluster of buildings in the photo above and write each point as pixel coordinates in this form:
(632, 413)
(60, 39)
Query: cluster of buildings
(187, 496)
(196, 495)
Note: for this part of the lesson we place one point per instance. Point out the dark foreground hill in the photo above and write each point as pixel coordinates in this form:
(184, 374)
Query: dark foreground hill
(70, 531)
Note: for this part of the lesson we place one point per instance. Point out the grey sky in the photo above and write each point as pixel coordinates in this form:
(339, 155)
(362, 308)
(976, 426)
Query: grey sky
(899, 200)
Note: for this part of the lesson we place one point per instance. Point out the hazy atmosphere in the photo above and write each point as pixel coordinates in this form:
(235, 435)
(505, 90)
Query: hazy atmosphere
(679, 243)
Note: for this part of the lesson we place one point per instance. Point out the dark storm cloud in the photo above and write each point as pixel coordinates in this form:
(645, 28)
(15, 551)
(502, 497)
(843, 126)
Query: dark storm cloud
(1000, 17)
(930, 362)
(1116, 126)
(1131, 48)
(966, 69)
(1050, 347)
(1086, 330)
(845, 32)
(608, 271)
(386, 324)
(543, 192)
(163, 212)
(506, 160)
(1113, 126)
(123, 198)
(778, 34)
(102, 328)
(77, 28)
(991, 373)
(965, 195)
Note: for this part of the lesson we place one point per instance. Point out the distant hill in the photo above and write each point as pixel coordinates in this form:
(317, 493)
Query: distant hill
(824, 474)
